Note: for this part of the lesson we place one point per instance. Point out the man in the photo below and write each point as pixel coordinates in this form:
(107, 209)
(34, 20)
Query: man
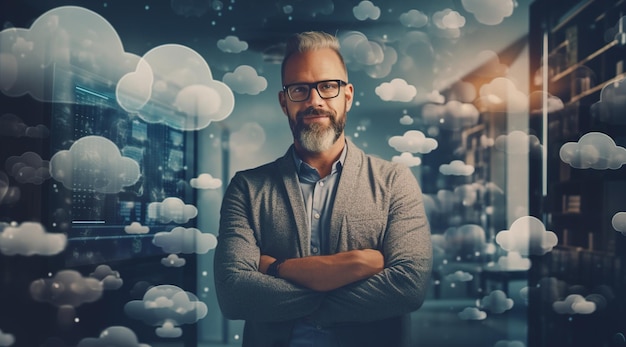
(325, 246)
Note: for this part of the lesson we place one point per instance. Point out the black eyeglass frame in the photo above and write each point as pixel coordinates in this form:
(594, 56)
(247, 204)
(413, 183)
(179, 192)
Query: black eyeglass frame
(314, 85)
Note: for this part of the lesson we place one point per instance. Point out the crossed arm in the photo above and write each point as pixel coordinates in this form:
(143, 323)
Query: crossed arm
(328, 272)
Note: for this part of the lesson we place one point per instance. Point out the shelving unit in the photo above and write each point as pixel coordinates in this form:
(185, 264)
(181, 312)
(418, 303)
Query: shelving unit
(584, 43)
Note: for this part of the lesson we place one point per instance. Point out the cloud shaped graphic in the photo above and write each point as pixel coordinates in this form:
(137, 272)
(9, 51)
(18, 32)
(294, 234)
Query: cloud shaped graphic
(593, 150)
(66, 290)
(489, 65)
(453, 115)
(360, 53)
(110, 279)
(172, 209)
(6, 339)
(30, 238)
(512, 261)
(136, 228)
(459, 276)
(28, 168)
(366, 10)
(472, 313)
(413, 141)
(244, 80)
(113, 336)
(407, 159)
(232, 44)
(502, 95)
(456, 168)
(396, 90)
(413, 19)
(8, 194)
(173, 85)
(496, 302)
(94, 163)
(173, 260)
(518, 142)
(574, 304)
(185, 240)
(248, 139)
(447, 23)
(490, 12)
(167, 307)
(205, 181)
(64, 37)
(12, 125)
(406, 120)
(619, 222)
(537, 99)
(527, 236)
(609, 108)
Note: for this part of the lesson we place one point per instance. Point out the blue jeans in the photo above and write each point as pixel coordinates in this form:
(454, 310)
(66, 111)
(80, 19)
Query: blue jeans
(306, 334)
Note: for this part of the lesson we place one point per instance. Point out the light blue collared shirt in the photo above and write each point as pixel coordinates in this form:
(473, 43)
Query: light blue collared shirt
(319, 196)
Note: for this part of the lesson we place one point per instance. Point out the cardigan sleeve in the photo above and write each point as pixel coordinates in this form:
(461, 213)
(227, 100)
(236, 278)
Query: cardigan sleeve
(401, 287)
(242, 291)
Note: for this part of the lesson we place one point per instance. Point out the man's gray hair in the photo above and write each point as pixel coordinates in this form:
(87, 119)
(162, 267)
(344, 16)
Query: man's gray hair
(310, 41)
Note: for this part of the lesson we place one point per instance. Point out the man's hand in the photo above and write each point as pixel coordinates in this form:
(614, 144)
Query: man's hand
(328, 272)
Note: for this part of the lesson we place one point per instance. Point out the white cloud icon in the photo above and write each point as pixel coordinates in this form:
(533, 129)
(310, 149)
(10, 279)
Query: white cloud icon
(360, 53)
(232, 44)
(173, 85)
(456, 168)
(413, 19)
(517, 142)
(366, 10)
(172, 209)
(453, 115)
(180, 307)
(619, 222)
(30, 238)
(593, 150)
(113, 336)
(109, 279)
(413, 141)
(185, 240)
(28, 168)
(490, 12)
(502, 95)
(610, 107)
(244, 80)
(496, 302)
(472, 313)
(28, 56)
(407, 159)
(173, 260)
(94, 163)
(136, 228)
(6, 339)
(512, 261)
(527, 236)
(574, 304)
(205, 181)
(459, 276)
(406, 120)
(396, 90)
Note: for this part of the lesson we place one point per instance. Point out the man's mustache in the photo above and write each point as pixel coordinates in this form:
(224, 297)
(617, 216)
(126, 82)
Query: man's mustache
(312, 111)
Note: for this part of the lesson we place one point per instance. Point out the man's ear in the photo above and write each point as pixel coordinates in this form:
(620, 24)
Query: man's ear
(282, 101)
(349, 93)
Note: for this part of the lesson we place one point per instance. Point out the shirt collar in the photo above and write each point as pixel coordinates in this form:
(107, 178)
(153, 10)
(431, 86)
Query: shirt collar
(307, 171)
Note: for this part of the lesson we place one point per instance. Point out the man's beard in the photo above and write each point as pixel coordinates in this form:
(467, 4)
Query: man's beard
(316, 137)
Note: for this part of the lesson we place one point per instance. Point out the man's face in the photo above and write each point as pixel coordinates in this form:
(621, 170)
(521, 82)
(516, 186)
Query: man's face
(316, 123)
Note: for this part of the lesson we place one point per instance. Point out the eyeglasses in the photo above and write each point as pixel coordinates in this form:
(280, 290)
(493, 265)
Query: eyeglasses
(326, 89)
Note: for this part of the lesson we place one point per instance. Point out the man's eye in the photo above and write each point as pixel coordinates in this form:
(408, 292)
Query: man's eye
(299, 89)
(327, 86)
